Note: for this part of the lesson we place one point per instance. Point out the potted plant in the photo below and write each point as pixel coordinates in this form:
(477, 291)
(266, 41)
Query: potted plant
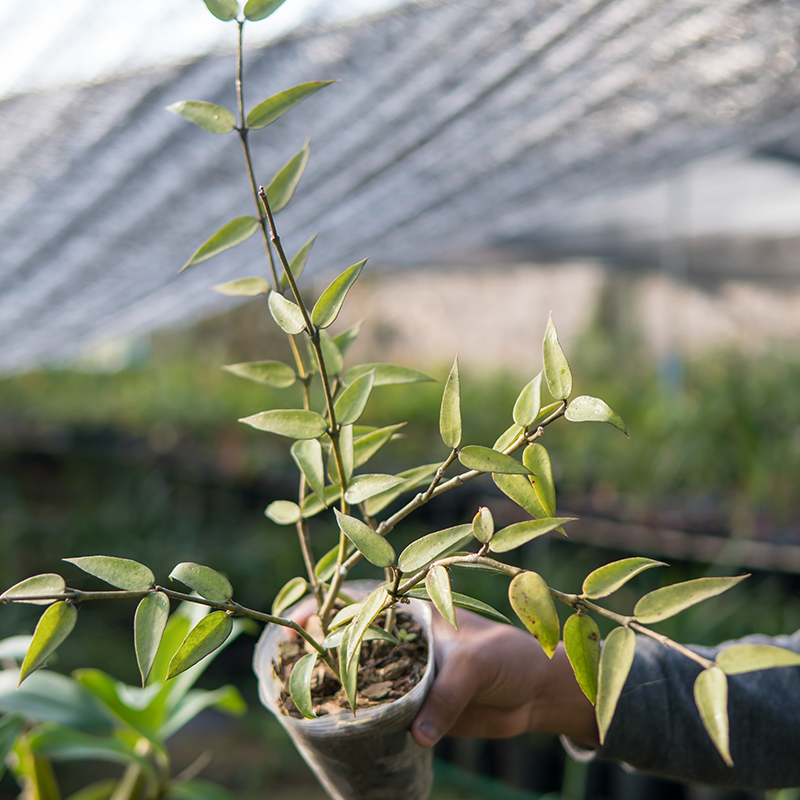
(348, 651)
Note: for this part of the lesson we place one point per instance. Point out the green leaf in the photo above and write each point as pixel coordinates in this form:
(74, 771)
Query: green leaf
(739, 658)
(254, 10)
(99, 790)
(485, 459)
(267, 111)
(513, 536)
(298, 263)
(312, 505)
(149, 624)
(556, 367)
(414, 478)
(450, 412)
(225, 10)
(286, 313)
(345, 615)
(373, 634)
(235, 232)
(483, 525)
(537, 460)
(437, 582)
(370, 608)
(209, 634)
(520, 489)
(327, 308)
(526, 409)
(530, 598)
(582, 644)
(364, 447)
(271, 373)
(11, 726)
(50, 697)
(592, 409)
(616, 659)
(370, 544)
(387, 374)
(463, 601)
(711, 699)
(291, 592)
(362, 487)
(283, 512)
(507, 438)
(307, 454)
(120, 572)
(244, 287)
(62, 744)
(44, 585)
(115, 699)
(209, 116)
(346, 448)
(607, 579)
(345, 339)
(428, 548)
(348, 674)
(53, 627)
(294, 423)
(205, 581)
(352, 401)
(326, 566)
(300, 684)
(667, 601)
(282, 186)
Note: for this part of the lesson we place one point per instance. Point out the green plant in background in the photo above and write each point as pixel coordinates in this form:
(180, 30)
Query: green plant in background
(331, 450)
(91, 716)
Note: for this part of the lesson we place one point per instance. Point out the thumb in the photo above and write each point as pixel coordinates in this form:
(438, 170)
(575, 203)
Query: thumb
(450, 694)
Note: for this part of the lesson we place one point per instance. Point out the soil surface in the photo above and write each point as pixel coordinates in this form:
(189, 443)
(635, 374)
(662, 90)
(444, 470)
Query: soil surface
(386, 671)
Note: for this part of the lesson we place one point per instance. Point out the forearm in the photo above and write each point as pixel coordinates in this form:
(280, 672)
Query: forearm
(657, 729)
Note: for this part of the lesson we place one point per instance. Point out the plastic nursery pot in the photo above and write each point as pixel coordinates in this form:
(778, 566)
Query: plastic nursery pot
(370, 756)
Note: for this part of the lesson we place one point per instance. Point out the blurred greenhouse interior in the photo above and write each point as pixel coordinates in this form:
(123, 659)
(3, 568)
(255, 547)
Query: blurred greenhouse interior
(631, 167)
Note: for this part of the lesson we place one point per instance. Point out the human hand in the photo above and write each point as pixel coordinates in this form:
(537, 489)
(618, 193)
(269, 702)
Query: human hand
(495, 681)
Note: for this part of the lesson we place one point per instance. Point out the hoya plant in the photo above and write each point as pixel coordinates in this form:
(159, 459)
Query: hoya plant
(332, 451)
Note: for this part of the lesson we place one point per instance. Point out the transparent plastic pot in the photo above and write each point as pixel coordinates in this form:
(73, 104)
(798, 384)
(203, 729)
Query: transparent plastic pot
(369, 756)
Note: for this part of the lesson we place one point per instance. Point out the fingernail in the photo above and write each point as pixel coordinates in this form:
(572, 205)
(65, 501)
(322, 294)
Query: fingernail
(428, 731)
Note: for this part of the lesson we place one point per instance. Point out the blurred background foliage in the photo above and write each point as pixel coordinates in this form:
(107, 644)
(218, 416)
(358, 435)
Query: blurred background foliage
(148, 461)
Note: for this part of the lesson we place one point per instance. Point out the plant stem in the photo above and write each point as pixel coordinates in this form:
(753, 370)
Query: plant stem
(243, 135)
(231, 607)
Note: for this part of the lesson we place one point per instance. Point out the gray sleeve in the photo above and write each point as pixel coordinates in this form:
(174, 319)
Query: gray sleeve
(657, 729)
